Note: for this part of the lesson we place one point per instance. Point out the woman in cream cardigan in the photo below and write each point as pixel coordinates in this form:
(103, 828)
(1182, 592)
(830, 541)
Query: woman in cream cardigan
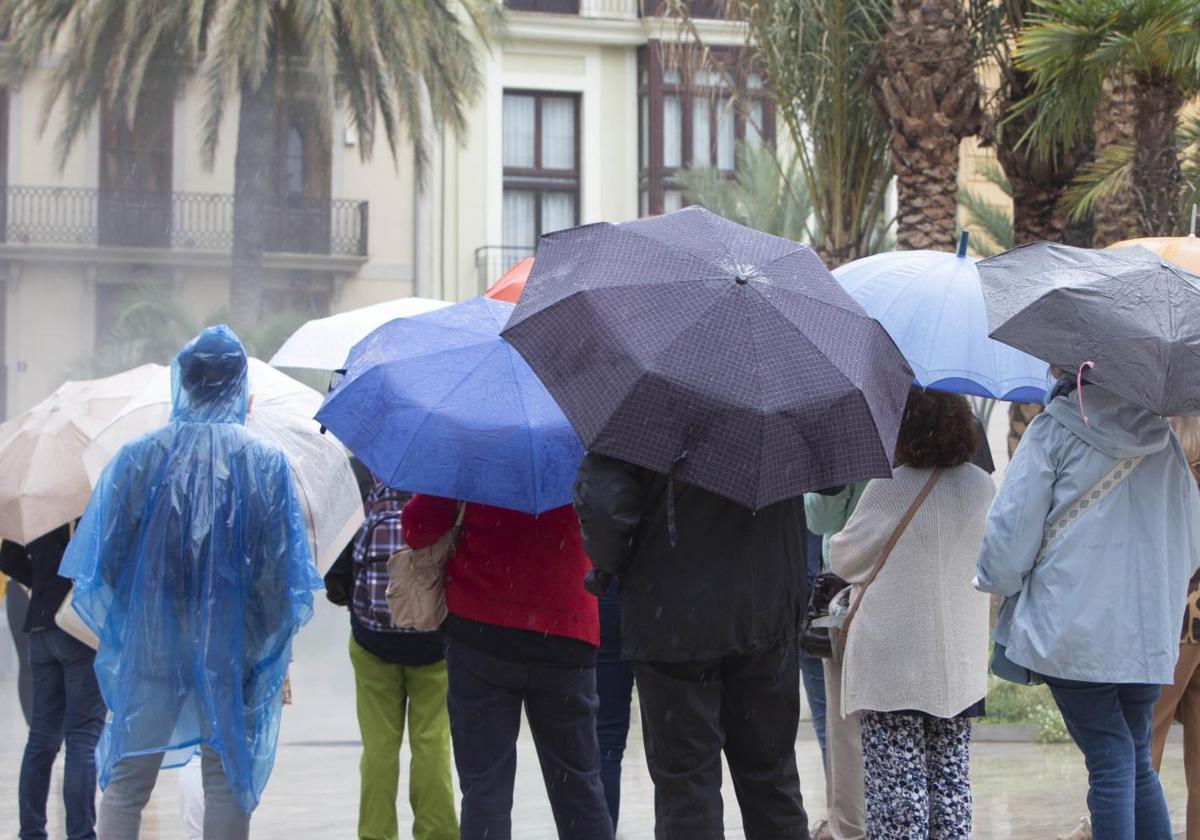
(916, 651)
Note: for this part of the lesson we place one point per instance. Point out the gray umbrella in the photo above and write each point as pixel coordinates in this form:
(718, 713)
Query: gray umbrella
(1127, 310)
(725, 357)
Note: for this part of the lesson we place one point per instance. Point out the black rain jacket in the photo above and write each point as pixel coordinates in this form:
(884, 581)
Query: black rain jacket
(733, 583)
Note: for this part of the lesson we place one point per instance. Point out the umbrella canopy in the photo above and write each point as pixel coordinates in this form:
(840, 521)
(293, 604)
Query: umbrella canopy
(725, 357)
(281, 411)
(440, 404)
(510, 286)
(931, 303)
(43, 483)
(325, 343)
(1184, 251)
(1127, 310)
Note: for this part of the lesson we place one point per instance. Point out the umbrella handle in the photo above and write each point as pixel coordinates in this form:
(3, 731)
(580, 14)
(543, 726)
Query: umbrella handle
(1088, 365)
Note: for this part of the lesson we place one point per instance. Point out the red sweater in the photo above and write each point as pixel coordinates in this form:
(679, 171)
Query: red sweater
(511, 569)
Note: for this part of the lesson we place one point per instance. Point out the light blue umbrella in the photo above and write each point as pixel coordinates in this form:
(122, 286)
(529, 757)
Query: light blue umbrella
(931, 303)
(440, 404)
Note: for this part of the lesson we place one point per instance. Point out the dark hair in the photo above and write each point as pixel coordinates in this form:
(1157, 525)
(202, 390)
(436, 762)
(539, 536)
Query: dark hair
(938, 430)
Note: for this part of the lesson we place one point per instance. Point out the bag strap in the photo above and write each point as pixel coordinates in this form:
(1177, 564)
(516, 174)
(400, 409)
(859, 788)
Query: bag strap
(1094, 495)
(905, 521)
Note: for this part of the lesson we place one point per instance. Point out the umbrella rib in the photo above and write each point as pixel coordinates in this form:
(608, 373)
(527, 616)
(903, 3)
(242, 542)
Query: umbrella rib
(512, 366)
(436, 406)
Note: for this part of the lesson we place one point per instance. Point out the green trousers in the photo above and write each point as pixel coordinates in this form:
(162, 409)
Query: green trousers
(384, 692)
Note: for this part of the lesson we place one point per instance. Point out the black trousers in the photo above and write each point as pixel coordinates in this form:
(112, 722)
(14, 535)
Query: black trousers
(485, 699)
(748, 705)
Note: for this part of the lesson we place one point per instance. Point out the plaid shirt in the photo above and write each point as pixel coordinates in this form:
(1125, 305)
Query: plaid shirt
(378, 539)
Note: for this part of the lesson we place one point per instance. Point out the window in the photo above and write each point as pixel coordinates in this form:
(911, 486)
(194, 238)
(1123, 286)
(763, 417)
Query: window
(695, 116)
(295, 162)
(541, 165)
(557, 7)
(135, 173)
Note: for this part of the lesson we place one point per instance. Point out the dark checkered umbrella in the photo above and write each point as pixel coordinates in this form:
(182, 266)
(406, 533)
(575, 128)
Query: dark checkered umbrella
(725, 357)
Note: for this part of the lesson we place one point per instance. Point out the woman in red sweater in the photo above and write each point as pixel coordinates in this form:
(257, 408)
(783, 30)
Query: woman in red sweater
(521, 631)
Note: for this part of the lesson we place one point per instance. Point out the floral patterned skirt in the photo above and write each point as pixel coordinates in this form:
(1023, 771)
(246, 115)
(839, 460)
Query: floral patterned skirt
(916, 775)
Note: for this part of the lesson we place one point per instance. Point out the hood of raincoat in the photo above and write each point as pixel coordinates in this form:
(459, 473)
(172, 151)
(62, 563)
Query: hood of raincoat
(209, 383)
(1114, 425)
(192, 566)
(1104, 602)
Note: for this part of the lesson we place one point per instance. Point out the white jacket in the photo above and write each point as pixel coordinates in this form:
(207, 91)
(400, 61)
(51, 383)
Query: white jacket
(919, 640)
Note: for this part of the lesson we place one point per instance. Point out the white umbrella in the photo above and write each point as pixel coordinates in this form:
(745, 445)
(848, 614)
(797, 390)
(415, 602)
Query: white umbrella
(281, 411)
(325, 343)
(43, 483)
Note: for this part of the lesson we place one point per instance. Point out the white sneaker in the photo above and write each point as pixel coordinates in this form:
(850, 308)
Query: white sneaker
(1082, 832)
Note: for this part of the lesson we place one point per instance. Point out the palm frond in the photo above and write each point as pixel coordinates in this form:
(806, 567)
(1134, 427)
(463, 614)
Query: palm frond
(1110, 173)
(765, 193)
(991, 225)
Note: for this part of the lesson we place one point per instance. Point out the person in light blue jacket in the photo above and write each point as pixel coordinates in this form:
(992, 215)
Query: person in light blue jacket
(1098, 615)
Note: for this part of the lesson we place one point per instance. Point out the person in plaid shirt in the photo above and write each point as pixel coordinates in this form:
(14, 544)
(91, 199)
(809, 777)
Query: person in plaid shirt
(397, 672)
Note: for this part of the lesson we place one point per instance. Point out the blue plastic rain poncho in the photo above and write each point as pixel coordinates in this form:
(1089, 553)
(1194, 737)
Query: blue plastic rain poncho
(192, 567)
(1105, 603)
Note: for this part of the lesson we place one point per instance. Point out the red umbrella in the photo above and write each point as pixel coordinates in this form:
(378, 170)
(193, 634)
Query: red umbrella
(510, 286)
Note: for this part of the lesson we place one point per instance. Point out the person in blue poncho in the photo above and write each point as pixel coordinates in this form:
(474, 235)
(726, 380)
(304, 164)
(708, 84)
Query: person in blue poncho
(192, 566)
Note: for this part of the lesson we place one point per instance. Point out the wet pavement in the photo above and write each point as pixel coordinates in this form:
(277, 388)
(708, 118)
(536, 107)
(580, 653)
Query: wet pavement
(1021, 790)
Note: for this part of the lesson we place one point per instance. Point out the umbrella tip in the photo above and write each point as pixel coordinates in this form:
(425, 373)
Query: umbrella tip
(741, 279)
(962, 242)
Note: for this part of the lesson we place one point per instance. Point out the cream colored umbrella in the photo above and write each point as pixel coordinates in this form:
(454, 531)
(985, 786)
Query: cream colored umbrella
(281, 410)
(324, 343)
(43, 481)
(1184, 251)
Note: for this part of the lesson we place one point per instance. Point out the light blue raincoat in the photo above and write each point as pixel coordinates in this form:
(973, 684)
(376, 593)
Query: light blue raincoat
(192, 566)
(1106, 602)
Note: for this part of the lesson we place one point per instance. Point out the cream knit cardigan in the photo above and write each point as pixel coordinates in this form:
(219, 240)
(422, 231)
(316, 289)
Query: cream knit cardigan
(919, 640)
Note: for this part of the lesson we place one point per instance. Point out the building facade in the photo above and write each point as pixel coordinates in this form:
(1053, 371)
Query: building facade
(589, 109)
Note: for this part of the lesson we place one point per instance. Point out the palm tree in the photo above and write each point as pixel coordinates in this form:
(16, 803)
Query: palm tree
(765, 194)
(390, 62)
(924, 84)
(1110, 175)
(814, 56)
(1072, 48)
(1036, 179)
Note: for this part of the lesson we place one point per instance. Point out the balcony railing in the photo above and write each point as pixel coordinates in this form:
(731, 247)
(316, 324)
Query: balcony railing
(75, 216)
(617, 8)
(491, 261)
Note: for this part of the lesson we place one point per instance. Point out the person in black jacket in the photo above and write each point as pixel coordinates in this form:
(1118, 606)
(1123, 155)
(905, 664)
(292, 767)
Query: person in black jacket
(66, 697)
(711, 598)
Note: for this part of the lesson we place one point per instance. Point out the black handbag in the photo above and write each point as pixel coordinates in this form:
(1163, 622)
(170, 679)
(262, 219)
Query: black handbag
(815, 641)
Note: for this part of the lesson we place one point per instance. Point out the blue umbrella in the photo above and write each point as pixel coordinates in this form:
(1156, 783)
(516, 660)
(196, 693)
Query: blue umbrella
(440, 404)
(931, 303)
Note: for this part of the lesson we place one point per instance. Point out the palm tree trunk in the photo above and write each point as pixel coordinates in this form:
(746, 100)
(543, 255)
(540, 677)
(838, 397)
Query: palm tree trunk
(253, 171)
(1116, 115)
(1156, 171)
(1038, 182)
(925, 86)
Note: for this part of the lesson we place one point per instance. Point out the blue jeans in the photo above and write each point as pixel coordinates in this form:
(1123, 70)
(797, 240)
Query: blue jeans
(614, 686)
(811, 669)
(66, 706)
(812, 672)
(1111, 724)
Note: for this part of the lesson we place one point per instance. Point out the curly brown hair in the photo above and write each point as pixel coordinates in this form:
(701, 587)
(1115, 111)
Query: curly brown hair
(938, 430)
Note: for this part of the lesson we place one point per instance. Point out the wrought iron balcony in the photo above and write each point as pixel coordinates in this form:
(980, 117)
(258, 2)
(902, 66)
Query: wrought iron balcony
(491, 261)
(617, 8)
(74, 216)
